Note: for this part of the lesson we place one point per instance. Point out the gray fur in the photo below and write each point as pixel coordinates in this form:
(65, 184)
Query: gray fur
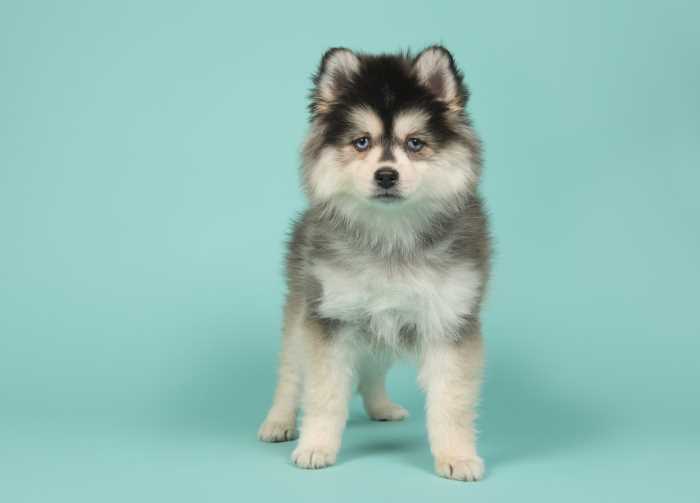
(320, 235)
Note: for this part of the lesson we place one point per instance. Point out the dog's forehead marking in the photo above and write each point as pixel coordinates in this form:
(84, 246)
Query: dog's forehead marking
(410, 122)
(365, 119)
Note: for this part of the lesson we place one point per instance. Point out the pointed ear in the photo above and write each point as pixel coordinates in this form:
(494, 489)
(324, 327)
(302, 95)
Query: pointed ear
(436, 70)
(337, 67)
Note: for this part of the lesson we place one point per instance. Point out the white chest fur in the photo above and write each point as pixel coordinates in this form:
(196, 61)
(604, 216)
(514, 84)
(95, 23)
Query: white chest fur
(433, 300)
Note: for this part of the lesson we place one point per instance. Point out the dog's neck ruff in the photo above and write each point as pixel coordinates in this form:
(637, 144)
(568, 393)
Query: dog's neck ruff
(399, 233)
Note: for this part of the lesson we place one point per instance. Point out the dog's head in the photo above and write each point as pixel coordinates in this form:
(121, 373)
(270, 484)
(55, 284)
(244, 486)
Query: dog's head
(389, 133)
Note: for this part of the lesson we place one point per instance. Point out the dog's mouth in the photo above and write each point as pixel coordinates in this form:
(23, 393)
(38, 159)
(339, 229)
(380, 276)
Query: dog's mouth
(387, 196)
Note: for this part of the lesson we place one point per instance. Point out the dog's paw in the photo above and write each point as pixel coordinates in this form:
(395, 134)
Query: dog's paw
(277, 431)
(387, 412)
(313, 457)
(468, 469)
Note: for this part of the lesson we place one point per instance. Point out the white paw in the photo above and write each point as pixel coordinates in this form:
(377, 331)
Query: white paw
(387, 412)
(313, 457)
(469, 469)
(277, 431)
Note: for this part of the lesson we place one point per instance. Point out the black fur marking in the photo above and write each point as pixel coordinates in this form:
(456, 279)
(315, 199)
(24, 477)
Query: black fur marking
(387, 153)
(387, 84)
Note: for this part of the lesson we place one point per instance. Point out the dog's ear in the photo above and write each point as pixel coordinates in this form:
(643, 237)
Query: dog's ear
(435, 68)
(338, 65)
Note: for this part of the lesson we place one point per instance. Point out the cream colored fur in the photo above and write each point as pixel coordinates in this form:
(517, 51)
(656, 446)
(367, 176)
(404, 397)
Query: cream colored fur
(449, 372)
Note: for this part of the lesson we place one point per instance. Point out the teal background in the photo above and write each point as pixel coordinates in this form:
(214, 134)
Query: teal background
(148, 175)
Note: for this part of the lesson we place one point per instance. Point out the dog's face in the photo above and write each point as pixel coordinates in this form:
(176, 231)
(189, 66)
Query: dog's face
(389, 132)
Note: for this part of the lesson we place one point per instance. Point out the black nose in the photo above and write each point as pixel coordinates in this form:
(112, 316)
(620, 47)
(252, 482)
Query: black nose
(386, 177)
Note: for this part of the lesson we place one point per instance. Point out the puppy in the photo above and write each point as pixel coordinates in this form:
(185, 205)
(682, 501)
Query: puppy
(391, 258)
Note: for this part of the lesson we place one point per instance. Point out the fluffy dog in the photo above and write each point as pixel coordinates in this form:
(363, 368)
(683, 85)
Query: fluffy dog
(390, 259)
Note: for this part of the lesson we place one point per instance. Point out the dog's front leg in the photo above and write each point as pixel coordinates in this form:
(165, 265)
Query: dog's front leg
(328, 370)
(450, 374)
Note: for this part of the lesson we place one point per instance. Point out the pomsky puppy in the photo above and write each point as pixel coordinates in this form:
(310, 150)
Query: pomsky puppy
(390, 259)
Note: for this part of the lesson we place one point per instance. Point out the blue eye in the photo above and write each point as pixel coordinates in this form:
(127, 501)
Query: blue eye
(361, 144)
(414, 144)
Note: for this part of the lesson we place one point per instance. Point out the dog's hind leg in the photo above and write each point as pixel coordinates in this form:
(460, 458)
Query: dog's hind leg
(372, 387)
(280, 424)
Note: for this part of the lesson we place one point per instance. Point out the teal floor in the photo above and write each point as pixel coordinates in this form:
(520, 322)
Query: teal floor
(379, 462)
(538, 446)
